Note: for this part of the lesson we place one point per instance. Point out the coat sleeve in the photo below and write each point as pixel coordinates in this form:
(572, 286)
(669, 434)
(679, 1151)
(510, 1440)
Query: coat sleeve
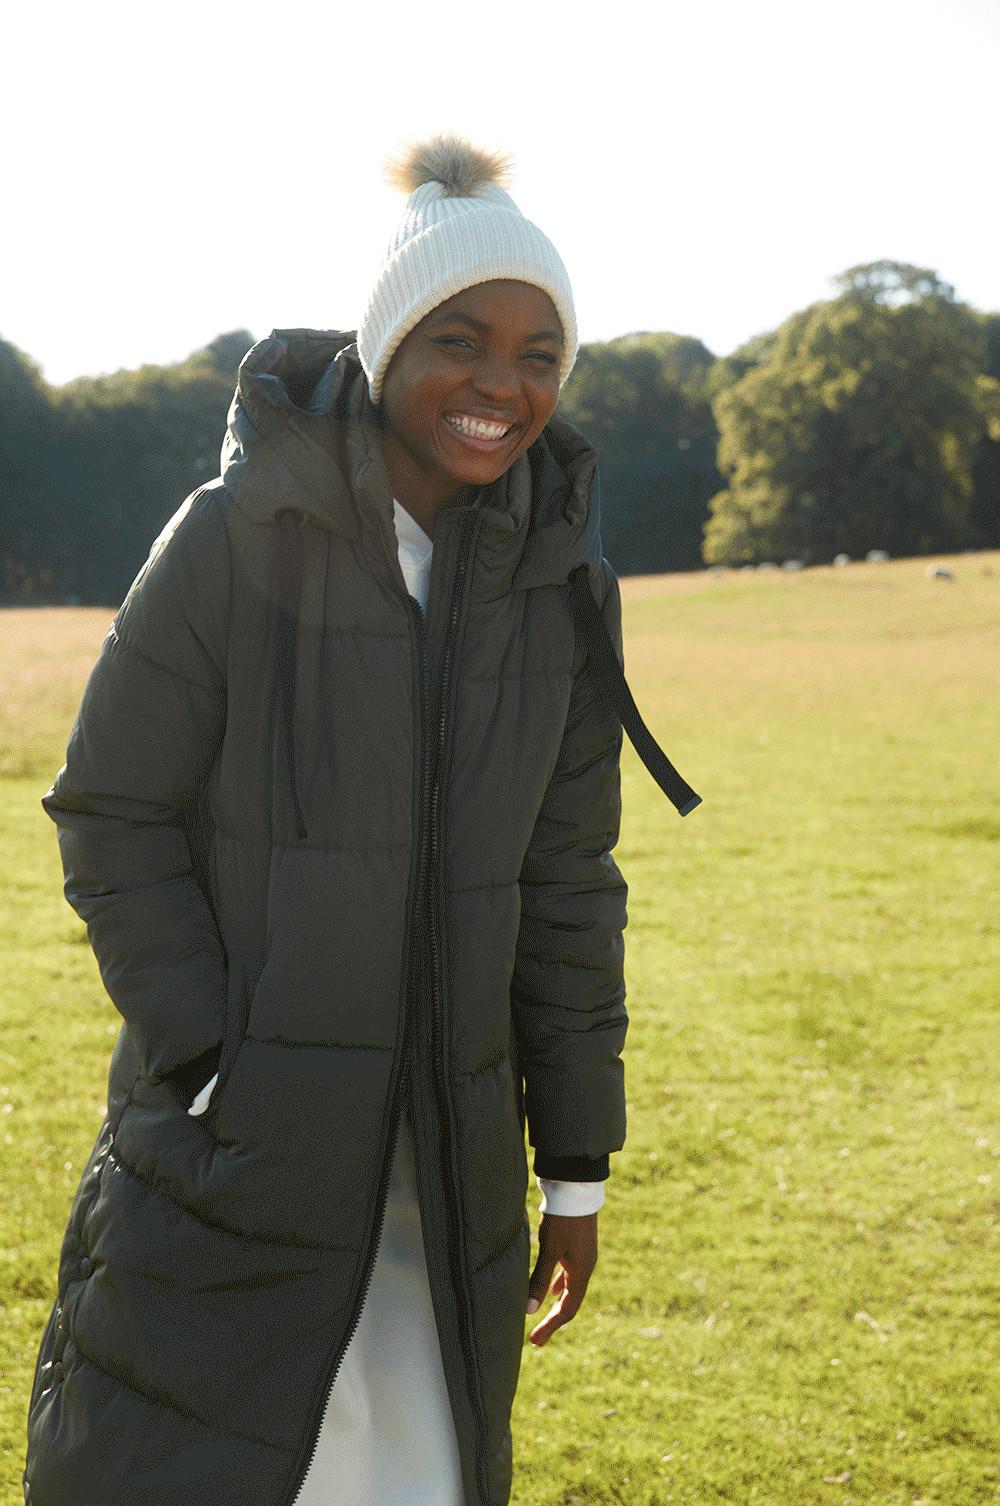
(140, 750)
(568, 988)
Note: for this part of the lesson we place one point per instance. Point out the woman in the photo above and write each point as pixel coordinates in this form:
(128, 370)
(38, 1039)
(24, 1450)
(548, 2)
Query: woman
(347, 873)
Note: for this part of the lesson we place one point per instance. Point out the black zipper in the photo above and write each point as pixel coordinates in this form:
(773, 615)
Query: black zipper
(433, 930)
(412, 960)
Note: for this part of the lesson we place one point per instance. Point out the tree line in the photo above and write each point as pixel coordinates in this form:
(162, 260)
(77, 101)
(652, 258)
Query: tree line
(867, 420)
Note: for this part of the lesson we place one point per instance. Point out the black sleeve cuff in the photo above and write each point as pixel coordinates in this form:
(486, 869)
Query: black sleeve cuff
(572, 1168)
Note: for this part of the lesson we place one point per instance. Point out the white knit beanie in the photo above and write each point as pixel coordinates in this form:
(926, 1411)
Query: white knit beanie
(459, 228)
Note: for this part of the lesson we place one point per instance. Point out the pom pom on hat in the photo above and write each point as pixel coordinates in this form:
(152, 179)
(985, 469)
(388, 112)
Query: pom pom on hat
(459, 227)
(447, 159)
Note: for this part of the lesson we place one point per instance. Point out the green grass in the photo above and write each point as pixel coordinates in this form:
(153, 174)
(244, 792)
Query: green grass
(797, 1294)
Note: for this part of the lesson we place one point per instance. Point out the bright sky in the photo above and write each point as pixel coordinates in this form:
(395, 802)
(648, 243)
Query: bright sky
(177, 170)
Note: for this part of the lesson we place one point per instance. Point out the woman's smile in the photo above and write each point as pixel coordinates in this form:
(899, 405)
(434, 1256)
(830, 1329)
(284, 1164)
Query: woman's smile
(477, 433)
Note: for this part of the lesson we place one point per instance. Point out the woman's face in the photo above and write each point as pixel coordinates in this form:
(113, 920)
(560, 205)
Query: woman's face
(492, 353)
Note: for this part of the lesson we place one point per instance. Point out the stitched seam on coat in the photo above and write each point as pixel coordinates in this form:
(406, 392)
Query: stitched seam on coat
(493, 1065)
(232, 836)
(546, 675)
(211, 1223)
(490, 884)
(339, 847)
(560, 777)
(332, 1044)
(571, 964)
(330, 630)
(163, 1401)
(578, 890)
(164, 668)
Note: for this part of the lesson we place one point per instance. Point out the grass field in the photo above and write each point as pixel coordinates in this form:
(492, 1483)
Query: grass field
(798, 1292)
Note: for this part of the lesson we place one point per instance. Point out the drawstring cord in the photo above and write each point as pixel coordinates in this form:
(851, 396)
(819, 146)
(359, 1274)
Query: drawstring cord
(290, 575)
(610, 677)
(601, 656)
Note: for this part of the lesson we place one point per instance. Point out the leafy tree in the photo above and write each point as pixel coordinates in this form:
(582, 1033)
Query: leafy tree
(984, 509)
(890, 282)
(656, 441)
(143, 439)
(30, 499)
(684, 361)
(858, 428)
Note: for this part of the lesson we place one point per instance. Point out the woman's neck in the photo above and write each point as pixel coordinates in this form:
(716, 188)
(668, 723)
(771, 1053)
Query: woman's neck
(423, 496)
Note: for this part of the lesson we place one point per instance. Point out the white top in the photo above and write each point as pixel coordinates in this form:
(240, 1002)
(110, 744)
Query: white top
(415, 549)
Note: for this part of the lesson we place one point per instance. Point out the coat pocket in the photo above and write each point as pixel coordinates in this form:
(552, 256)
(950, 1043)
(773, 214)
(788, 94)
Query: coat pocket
(188, 1079)
(237, 1019)
(514, 1054)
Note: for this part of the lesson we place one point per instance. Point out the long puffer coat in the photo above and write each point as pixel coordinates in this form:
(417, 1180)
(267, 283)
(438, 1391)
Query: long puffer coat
(339, 856)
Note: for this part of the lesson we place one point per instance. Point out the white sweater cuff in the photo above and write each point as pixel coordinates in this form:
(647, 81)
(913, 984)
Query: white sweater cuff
(570, 1199)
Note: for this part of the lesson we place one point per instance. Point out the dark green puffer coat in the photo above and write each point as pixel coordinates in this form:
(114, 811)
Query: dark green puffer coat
(317, 842)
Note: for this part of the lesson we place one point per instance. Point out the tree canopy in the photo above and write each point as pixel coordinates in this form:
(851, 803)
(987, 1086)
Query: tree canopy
(858, 428)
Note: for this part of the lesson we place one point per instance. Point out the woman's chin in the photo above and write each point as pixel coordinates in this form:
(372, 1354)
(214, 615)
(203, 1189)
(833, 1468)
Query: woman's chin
(481, 470)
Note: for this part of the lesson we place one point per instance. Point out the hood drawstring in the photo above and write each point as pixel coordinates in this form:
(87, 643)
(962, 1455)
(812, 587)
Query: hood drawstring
(287, 613)
(610, 676)
(601, 656)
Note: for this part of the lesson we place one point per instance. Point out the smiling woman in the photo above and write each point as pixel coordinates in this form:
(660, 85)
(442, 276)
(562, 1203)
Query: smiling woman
(460, 408)
(339, 811)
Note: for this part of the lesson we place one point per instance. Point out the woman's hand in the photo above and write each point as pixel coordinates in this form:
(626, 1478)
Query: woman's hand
(572, 1243)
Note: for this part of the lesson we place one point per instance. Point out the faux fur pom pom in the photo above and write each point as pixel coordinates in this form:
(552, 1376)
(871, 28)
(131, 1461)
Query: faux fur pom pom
(449, 160)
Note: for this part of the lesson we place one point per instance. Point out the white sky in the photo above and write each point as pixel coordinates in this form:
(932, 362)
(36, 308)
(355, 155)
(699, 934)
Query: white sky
(174, 171)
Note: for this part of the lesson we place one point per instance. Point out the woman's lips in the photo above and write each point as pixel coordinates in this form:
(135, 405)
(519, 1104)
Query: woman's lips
(474, 442)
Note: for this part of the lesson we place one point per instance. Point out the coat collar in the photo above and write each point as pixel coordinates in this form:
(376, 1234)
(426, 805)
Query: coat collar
(303, 436)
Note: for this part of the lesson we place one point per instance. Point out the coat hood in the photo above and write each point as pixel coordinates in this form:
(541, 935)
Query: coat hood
(303, 436)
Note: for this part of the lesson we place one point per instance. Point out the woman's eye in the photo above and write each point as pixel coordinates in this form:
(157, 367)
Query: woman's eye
(545, 355)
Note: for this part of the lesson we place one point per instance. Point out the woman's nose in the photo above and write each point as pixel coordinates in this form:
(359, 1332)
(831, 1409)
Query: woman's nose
(496, 375)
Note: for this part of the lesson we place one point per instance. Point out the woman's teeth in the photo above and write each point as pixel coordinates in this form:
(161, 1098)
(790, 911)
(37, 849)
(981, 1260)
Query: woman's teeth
(477, 427)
